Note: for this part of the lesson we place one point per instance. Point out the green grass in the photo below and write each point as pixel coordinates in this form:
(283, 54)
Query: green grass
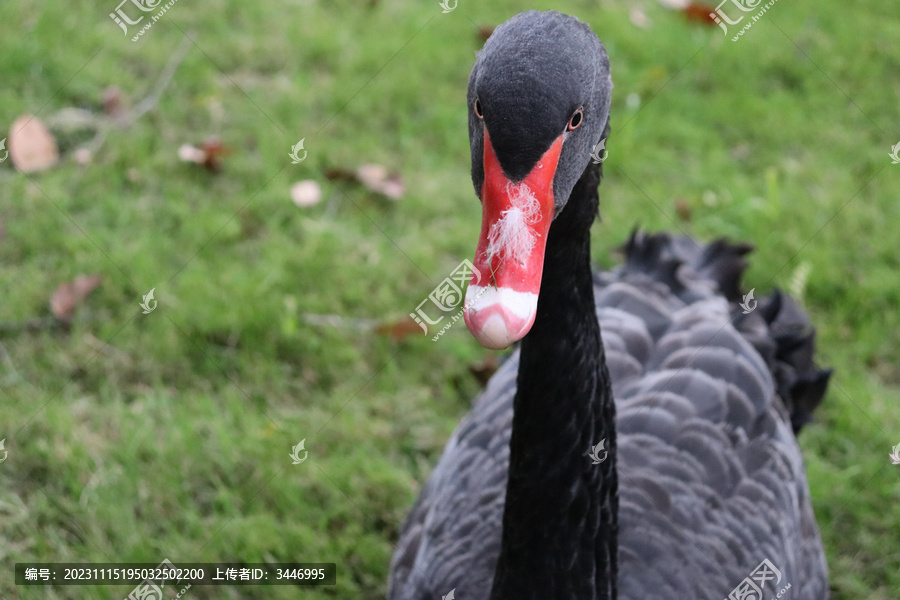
(137, 437)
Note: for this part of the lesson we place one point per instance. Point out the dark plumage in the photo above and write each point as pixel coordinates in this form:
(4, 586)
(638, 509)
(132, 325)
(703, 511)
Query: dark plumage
(703, 480)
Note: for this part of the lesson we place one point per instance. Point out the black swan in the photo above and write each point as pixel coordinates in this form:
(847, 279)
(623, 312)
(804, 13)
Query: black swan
(692, 485)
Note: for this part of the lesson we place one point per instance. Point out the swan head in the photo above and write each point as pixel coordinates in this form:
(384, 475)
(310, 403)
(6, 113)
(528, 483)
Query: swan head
(539, 97)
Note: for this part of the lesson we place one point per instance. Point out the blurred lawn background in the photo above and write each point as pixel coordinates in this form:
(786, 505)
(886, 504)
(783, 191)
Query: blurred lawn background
(137, 437)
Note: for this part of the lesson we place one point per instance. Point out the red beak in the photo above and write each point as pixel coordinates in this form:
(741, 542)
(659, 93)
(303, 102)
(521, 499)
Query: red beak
(515, 221)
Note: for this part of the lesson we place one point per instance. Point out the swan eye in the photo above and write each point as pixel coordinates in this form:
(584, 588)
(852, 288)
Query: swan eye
(478, 112)
(576, 120)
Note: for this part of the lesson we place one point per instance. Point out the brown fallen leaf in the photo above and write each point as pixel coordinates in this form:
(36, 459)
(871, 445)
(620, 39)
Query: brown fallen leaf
(700, 12)
(375, 178)
(378, 180)
(371, 175)
(69, 295)
(341, 174)
(398, 330)
(682, 209)
(208, 155)
(392, 187)
(31, 146)
(112, 102)
(214, 150)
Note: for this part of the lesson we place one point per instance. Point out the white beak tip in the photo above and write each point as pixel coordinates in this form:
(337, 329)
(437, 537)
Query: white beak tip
(499, 317)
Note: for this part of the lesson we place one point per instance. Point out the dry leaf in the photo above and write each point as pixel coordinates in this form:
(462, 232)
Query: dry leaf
(306, 193)
(31, 147)
(69, 295)
(393, 187)
(208, 154)
(377, 179)
(112, 102)
(338, 174)
(214, 150)
(682, 209)
(400, 329)
(374, 177)
(371, 175)
(699, 12)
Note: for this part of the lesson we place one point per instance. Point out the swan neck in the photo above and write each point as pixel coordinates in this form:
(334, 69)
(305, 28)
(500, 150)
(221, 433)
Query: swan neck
(560, 516)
